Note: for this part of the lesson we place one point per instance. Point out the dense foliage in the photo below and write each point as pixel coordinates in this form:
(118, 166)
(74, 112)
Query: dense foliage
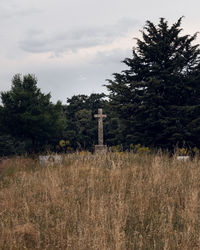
(28, 118)
(158, 97)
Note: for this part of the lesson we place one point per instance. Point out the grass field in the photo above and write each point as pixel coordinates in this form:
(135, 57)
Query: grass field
(118, 201)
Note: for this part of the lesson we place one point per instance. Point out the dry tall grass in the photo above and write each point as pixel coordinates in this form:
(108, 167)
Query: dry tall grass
(120, 201)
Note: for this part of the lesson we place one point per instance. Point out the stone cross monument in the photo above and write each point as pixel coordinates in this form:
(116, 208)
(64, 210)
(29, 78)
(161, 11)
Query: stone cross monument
(100, 147)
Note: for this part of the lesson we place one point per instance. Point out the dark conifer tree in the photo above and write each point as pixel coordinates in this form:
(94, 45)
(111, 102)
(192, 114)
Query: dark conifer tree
(28, 115)
(158, 97)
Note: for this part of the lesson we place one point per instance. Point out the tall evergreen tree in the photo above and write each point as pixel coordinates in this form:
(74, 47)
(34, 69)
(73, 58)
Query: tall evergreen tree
(29, 116)
(158, 97)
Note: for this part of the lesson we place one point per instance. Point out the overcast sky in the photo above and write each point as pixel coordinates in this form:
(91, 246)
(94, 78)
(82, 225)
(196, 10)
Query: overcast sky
(72, 46)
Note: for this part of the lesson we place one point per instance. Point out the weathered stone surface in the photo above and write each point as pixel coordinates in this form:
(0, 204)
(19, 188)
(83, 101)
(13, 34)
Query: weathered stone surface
(50, 159)
(100, 117)
(183, 158)
(100, 148)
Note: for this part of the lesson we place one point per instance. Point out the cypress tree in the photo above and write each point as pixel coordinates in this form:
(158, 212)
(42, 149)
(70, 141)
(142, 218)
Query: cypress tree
(158, 97)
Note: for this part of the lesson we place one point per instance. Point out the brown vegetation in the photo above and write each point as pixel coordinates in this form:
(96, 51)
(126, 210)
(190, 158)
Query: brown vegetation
(120, 201)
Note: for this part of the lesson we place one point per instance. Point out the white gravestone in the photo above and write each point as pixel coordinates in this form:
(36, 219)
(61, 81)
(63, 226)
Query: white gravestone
(50, 159)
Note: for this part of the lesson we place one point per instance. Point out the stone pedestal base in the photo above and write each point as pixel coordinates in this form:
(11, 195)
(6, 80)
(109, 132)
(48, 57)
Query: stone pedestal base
(100, 149)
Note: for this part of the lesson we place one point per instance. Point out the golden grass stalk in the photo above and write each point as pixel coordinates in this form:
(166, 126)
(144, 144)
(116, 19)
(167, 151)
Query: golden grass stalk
(117, 201)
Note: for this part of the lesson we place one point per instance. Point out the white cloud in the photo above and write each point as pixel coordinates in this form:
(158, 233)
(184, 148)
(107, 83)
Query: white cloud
(85, 37)
(12, 9)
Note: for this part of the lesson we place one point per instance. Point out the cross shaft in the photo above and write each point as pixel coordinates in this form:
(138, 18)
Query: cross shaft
(100, 117)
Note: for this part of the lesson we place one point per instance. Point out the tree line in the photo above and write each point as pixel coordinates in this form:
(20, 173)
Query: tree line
(154, 102)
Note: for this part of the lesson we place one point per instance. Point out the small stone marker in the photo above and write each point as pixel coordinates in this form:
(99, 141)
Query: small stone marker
(50, 159)
(183, 158)
(100, 147)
